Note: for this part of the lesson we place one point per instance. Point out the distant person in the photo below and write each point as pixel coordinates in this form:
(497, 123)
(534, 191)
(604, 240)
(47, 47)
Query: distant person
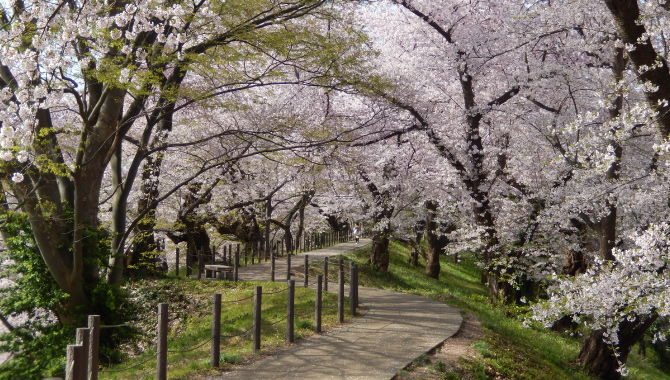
(356, 231)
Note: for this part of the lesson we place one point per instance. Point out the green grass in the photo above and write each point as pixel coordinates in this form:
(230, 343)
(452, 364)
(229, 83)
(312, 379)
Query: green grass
(509, 350)
(190, 305)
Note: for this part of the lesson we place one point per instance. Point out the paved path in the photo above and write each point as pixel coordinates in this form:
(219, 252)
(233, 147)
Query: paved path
(394, 329)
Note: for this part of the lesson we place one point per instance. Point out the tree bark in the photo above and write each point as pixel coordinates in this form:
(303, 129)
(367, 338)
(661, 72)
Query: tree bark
(626, 15)
(436, 238)
(599, 357)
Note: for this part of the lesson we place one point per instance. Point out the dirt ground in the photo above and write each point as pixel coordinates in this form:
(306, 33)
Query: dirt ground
(449, 353)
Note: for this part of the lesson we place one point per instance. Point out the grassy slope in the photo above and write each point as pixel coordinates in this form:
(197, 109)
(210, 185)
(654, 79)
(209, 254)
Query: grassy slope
(509, 350)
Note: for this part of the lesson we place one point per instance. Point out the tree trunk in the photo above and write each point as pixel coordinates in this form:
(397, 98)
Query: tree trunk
(379, 253)
(598, 356)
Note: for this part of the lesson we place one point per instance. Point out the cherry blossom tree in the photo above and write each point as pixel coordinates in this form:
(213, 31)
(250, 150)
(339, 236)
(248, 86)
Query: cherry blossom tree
(77, 77)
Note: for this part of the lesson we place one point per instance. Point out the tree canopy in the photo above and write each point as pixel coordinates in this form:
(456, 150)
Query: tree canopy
(533, 132)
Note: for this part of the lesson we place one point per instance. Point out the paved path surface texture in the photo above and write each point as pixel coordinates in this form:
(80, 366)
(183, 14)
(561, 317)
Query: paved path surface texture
(394, 329)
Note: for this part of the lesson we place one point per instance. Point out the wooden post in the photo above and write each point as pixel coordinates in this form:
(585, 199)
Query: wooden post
(352, 305)
(272, 267)
(288, 267)
(189, 261)
(176, 262)
(355, 286)
(325, 273)
(306, 270)
(83, 340)
(201, 263)
(74, 362)
(236, 264)
(290, 311)
(161, 366)
(258, 295)
(318, 301)
(340, 296)
(94, 346)
(216, 331)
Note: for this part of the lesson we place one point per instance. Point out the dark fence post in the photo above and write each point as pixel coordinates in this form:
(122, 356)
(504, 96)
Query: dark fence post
(216, 331)
(176, 262)
(355, 300)
(236, 263)
(318, 301)
(272, 267)
(94, 346)
(352, 287)
(161, 366)
(189, 261)
(83, 340)
(258, 295)
(340, 296)
(201, 263)
(325, 273)
(306, 270)
(290, 311)
(288, 267)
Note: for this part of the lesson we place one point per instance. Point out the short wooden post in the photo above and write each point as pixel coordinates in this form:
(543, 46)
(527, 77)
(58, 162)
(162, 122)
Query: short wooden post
(355, 300)
(94, 346)
(318, 301)
(236, 264)
(75, 362)
(306, 270)
(201, 263)
(161, 366)
(189, 261)
(325, 273)
(340, 296)
(272, 267)
(83, 340)
(352, 305)
(258, 295)
(176, 262)
(290, 311)
(216, 331)
(288, 267)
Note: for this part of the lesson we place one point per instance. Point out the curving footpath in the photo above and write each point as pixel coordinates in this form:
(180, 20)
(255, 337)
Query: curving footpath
(394, 329)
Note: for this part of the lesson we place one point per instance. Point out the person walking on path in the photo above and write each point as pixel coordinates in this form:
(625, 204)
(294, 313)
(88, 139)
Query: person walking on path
(356, 232)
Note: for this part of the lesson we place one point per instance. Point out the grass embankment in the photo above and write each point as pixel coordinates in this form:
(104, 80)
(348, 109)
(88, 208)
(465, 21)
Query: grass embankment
(507, 349)
(190, 308)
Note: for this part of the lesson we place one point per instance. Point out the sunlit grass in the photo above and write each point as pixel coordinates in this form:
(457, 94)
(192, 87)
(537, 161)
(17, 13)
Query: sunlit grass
(190, 324)
(508, 350)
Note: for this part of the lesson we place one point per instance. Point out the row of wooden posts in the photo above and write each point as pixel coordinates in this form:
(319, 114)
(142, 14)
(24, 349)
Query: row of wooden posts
(233, 255)
(82, 357)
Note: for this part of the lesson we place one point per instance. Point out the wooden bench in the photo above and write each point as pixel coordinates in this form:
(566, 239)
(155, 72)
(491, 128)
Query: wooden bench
(220, 270)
